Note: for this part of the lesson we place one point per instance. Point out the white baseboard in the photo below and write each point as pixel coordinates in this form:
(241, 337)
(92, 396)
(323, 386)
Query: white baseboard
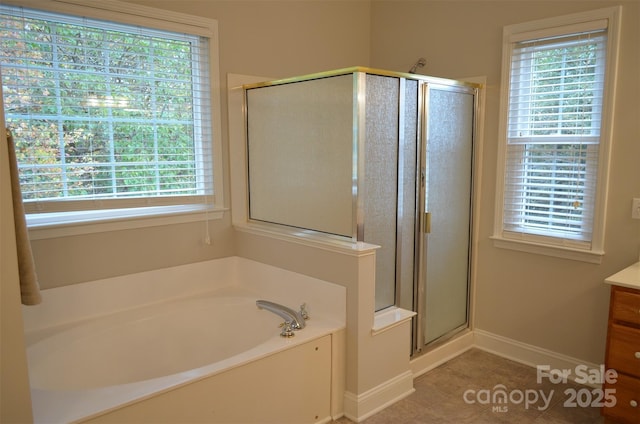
(532, 355)
(360, 407)
(441, 354)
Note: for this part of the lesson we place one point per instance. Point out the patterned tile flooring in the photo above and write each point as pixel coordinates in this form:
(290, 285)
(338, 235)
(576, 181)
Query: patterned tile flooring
(440, 396)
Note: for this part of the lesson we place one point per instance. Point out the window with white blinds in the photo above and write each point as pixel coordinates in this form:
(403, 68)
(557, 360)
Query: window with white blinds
(106, 115)
(555, 105)
(552, 130)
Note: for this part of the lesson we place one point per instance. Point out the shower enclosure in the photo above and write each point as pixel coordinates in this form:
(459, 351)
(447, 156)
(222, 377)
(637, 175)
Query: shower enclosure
(376, 156)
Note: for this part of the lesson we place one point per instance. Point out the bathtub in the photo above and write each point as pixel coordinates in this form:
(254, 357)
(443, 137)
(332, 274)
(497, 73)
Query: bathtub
(187, 344)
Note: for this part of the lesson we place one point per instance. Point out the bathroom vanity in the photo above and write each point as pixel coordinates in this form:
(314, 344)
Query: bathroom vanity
(623, 344)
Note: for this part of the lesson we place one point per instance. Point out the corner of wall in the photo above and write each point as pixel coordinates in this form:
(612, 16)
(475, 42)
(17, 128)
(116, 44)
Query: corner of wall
(15, 396)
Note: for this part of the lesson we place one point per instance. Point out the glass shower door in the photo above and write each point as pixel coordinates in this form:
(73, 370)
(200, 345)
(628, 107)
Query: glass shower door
(447, 165)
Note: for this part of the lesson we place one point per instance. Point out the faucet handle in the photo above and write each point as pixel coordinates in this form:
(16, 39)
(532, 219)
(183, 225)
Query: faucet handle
(287, 331)
(303, 311)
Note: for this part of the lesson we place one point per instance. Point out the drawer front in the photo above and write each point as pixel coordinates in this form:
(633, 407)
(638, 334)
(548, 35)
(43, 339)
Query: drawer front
(624, 349)
(626, 305)
(627, 394)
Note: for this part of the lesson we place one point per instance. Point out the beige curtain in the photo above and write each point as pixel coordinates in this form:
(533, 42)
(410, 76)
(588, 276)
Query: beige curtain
(29, 287)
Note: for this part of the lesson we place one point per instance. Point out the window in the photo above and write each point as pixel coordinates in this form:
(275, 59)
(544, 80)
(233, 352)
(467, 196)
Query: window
(558, 79)
(109, 116)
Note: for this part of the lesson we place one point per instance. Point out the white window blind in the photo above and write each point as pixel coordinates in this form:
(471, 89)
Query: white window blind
(105, 115)
(553, 136)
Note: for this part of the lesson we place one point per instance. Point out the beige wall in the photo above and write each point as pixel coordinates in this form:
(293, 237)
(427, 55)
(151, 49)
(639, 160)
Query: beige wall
(275, 38)
(15, 399)
(555, 304)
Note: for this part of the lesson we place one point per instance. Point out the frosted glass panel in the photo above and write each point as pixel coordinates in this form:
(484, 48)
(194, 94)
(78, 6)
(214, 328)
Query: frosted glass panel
(407, 196)
(381, 181)
(300, 154)
(449, 156)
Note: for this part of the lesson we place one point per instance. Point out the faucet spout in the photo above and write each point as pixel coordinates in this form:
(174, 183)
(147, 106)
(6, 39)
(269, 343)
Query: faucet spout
(289, 315)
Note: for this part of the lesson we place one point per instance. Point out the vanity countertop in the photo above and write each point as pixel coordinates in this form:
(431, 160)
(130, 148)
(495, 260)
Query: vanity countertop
(628, 277)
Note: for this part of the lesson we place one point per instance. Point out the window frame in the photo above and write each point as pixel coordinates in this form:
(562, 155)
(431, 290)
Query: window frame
(557, 26)
(56, 224)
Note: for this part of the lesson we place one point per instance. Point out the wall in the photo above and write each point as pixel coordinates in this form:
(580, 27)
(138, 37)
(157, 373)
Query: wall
(555, 304)
(276, 38)
(15, 398)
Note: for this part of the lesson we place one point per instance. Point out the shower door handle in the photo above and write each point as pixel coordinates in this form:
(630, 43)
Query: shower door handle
(427, 222)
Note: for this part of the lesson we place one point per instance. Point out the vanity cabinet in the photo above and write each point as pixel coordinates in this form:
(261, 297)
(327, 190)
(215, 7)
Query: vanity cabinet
(623, 354)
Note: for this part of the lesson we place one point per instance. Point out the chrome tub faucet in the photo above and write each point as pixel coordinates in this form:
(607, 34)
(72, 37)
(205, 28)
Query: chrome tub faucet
(293, 320)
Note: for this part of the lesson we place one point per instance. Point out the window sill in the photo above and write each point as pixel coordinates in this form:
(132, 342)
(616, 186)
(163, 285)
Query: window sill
(591, 256)
(53, 225)
(308, 238)
(389, 318)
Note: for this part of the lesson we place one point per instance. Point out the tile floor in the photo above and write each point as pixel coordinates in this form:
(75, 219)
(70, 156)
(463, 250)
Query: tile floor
(439, 396)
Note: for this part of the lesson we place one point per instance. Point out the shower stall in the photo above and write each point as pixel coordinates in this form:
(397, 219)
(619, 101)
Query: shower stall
(382, 157)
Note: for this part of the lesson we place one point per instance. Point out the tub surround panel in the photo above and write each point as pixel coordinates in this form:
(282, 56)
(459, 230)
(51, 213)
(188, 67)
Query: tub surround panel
(284, 389)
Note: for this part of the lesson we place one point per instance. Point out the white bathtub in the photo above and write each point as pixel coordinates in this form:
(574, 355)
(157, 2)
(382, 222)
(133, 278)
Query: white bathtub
(186, 344)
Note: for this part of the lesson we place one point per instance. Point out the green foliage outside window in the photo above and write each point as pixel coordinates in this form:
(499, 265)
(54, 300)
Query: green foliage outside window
(98, 112)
